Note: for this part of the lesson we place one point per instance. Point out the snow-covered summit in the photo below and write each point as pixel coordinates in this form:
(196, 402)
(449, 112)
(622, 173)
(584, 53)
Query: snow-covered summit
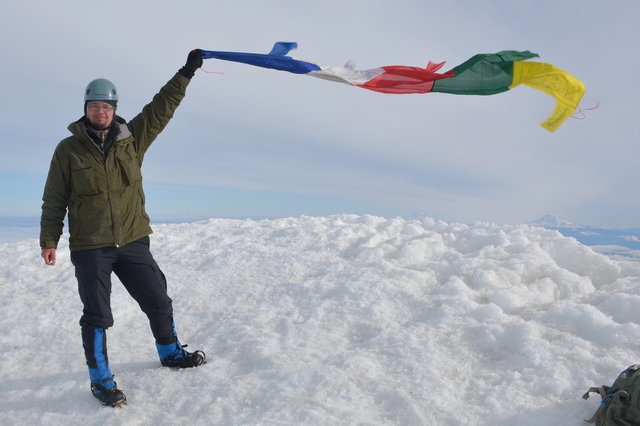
(553, 221)
(337, 320)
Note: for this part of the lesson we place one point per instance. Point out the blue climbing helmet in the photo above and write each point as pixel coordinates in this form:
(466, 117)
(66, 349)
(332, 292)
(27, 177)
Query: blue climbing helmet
(101, 89)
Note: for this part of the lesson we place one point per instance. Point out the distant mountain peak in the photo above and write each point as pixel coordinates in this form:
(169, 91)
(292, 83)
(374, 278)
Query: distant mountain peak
(552, 220)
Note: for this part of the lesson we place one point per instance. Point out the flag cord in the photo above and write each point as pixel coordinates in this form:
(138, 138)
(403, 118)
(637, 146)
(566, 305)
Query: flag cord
(210, 72)
(580, 115)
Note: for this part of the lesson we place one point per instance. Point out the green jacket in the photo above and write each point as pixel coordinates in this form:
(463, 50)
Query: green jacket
(103, 193)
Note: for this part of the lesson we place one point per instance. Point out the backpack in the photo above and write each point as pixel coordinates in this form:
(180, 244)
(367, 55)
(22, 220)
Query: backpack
(620, 404)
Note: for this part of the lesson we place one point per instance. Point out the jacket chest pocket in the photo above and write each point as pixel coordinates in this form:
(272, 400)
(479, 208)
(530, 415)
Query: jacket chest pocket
(128, 161)
(83, 177)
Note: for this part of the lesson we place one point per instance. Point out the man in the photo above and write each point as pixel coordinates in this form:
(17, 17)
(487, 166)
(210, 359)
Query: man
(95, 175)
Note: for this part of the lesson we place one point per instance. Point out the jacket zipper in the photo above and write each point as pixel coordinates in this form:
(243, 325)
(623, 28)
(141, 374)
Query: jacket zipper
(114, 225)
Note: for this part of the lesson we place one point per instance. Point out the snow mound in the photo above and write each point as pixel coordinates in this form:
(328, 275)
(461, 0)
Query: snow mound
(334, 320)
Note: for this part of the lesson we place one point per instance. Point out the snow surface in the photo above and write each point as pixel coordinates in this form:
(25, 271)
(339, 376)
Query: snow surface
(340, 320)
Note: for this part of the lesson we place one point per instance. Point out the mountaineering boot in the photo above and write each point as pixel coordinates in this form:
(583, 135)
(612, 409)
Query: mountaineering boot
(174, 355)
(108, 394)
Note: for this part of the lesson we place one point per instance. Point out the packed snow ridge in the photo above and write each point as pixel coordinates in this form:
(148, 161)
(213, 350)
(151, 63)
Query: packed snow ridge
(337, 320)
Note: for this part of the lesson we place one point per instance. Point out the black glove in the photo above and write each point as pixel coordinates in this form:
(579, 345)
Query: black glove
(194, 61)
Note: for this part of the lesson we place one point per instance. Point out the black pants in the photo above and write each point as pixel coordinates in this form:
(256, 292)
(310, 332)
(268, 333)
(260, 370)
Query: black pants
(135, 267)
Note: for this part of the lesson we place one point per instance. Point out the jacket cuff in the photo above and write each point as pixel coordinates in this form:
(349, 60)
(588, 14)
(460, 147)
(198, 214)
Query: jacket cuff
(48, 244)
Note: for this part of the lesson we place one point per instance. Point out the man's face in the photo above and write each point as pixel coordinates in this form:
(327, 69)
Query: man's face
(100, 114)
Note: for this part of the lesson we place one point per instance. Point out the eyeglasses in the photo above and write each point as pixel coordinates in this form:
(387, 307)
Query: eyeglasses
(104, 107)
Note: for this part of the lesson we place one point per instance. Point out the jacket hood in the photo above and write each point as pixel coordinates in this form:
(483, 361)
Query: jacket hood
(77, 128)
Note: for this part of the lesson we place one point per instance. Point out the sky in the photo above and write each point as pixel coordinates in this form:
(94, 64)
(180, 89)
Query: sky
(251, 142)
